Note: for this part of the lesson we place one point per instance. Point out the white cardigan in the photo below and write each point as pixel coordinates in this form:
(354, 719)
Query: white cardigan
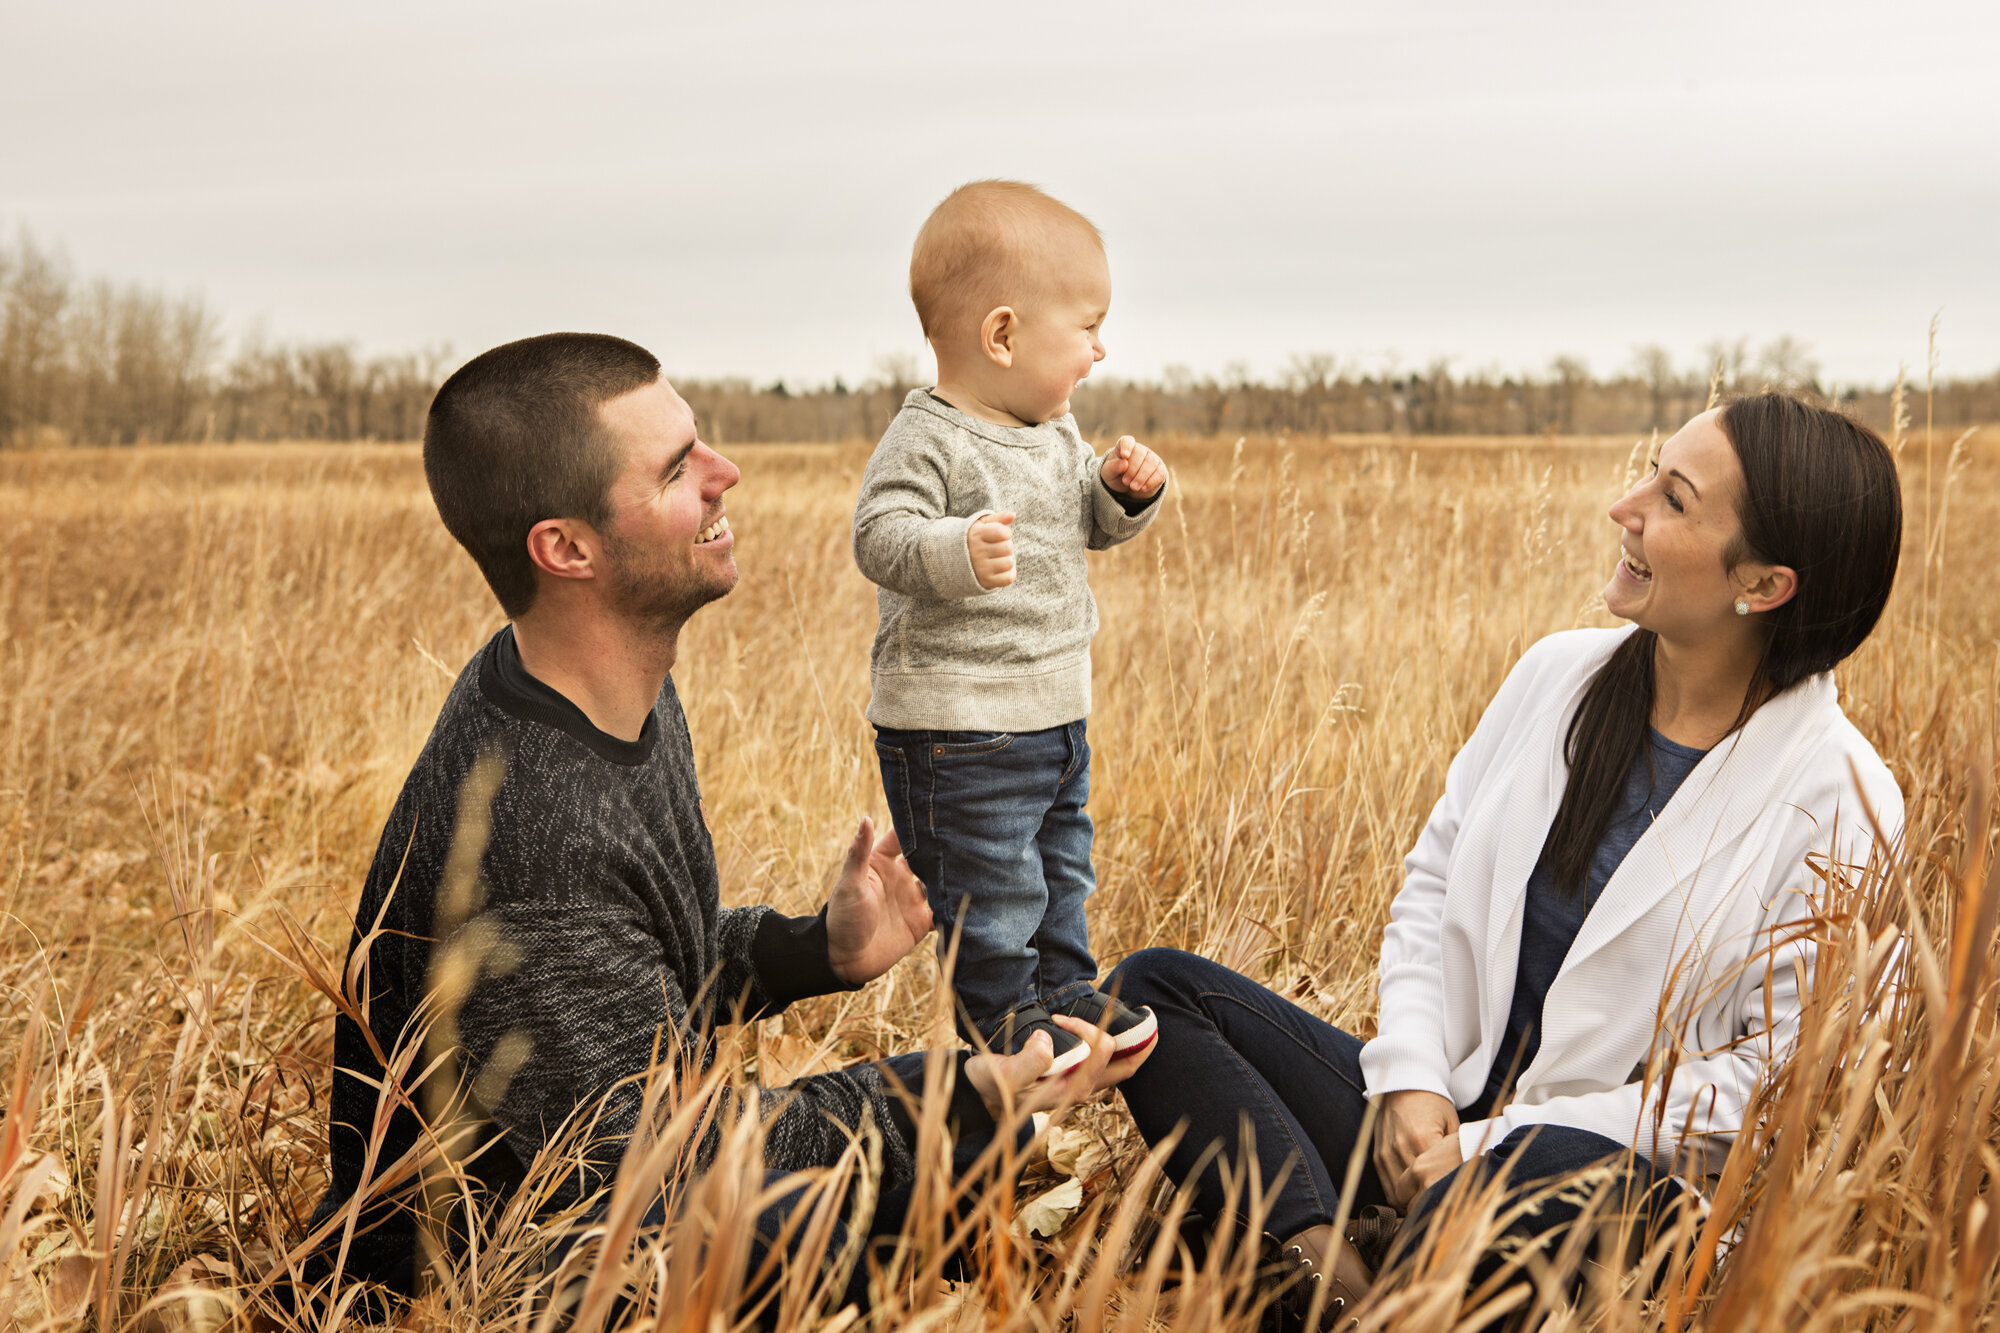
(1665, 958)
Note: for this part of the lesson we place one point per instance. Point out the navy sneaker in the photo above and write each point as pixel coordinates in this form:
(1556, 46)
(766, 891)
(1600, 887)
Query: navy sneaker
(1011, 1033)
(1131, 1029)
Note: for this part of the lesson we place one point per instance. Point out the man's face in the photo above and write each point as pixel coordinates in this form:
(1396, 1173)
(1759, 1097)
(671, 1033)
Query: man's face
(667, 546)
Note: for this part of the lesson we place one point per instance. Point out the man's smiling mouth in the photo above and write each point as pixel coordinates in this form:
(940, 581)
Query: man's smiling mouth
(712, 531)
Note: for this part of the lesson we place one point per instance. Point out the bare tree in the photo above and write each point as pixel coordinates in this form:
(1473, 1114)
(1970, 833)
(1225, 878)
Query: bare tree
(1724, 361)
(1310, 372)
(31, 340)
(1654, 366)
(1569, 375)
(897, 373)
(1786, 364)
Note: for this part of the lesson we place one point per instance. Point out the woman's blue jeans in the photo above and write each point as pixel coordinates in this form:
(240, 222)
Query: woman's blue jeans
(1234, 1056)
(993, 823)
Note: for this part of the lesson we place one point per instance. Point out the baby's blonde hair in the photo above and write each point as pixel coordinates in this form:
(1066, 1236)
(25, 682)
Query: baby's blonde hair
(980, 248)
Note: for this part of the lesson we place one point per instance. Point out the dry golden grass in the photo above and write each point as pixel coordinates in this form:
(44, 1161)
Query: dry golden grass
(217, 664)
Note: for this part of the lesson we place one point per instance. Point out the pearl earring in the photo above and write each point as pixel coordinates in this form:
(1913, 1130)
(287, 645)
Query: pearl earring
(1742, 607)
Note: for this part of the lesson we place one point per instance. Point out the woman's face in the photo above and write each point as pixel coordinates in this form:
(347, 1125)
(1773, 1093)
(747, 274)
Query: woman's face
(1680, 524)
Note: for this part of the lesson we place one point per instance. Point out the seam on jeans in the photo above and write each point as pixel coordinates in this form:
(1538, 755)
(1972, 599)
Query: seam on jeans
(930, 822)
(1041, 983)
(884, 753)
(1204, 996)
(971, 749)
(1078, 753)
(1261, 1085)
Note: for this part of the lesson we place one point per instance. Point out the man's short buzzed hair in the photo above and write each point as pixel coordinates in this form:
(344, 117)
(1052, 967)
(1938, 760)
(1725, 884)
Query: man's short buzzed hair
(513, 438)
(981, 247)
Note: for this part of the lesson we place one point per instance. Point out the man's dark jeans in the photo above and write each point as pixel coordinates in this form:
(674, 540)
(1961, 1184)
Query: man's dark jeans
(993, 823)
(892, 1206)
(1234, 1055)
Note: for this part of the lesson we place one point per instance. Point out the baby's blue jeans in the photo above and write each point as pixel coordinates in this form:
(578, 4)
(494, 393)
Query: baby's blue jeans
(993, 823)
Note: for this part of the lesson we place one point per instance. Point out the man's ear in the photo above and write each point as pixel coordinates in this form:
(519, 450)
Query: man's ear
(564, 548)
(1768, 587)
(996, 336)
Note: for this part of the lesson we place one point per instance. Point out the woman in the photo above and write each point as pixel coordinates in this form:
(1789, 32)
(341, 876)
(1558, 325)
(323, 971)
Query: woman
(1588, 962)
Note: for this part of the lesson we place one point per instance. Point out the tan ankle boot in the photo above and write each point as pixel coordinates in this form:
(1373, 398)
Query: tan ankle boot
(1316, 1272)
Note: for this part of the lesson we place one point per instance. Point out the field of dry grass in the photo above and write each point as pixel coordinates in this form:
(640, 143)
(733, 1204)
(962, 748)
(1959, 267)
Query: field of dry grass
(217, 664)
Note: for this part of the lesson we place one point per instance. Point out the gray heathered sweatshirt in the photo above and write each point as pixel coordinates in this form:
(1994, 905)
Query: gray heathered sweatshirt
(599, 873)
(950, 655)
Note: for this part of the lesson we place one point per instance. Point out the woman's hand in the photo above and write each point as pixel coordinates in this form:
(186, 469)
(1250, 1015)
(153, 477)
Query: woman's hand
(1432, 1165)
(1412, 1123)
(1008, 1083)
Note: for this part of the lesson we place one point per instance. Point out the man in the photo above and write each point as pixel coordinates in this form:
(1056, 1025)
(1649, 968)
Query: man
(540, 926)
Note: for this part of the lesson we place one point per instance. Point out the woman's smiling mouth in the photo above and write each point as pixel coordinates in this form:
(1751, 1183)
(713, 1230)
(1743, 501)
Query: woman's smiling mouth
(1632, 568)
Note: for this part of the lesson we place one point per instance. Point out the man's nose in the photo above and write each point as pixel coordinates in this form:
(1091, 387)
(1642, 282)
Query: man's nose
(722, 474)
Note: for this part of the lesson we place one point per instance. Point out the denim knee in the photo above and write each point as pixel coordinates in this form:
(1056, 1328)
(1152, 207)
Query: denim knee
(1539, 1152)
(1147, 976)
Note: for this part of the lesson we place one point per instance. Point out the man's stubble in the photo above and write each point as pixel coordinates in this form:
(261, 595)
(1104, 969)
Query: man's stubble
(654, 595)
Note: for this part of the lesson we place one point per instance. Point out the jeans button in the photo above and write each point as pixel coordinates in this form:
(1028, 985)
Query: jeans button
(939, 749)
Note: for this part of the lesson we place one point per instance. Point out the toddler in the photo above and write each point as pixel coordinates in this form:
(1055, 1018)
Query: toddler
(975, 513)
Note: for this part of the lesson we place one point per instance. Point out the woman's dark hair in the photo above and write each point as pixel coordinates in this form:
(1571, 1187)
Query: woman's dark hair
(1820, 495)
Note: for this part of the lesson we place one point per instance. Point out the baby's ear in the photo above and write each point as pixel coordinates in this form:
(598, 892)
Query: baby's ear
(996, 336)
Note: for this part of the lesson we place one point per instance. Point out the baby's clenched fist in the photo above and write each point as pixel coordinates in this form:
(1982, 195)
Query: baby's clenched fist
(990, 542)
(1133, 469)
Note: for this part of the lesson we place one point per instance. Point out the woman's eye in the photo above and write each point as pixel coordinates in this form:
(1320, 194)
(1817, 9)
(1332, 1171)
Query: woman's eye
(1674, 503)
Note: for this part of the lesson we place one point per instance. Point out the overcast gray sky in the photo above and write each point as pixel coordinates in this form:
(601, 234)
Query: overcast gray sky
(736, 185)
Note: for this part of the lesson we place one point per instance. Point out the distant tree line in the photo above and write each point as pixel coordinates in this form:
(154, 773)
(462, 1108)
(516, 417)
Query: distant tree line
(90, 361)
(96, 362)
(1318, 395)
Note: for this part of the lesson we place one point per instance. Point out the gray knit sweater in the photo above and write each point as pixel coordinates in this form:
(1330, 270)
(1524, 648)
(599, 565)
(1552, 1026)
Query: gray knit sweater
(599, 879)
(950, 655)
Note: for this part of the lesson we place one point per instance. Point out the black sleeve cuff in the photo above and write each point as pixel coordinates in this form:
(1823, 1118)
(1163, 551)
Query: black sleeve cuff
(968, 1109)
(967, 1113)
(1134, 505)
(790, 958)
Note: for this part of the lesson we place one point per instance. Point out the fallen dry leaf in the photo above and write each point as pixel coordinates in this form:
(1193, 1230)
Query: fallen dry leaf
(1075, 1150)
(1046, 1214)
(52, 1189)
(70, 1279)
(783, 1058)
(192, 1299)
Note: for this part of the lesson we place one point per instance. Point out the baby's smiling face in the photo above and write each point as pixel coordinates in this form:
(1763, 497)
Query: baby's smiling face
(1058, 335)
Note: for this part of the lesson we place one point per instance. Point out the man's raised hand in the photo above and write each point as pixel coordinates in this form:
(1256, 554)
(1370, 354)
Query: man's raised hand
(990, 542)
(1133, 469)
(878, 911)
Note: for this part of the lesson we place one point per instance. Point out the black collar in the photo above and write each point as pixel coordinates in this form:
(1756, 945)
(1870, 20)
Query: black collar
(508, 686)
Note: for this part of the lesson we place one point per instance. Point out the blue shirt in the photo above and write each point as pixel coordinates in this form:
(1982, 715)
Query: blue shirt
(1551, 918)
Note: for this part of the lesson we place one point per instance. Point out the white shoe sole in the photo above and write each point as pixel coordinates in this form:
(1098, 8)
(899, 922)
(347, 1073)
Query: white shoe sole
(1065, 1062)
(1138, 1035)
